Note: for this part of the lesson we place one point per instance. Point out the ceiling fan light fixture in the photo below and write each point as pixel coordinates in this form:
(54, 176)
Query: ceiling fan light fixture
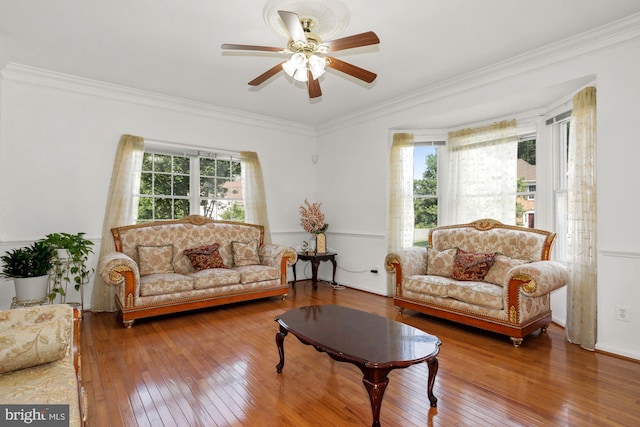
(300, 75)
(298, 65)
(316, 65)
(298, 61)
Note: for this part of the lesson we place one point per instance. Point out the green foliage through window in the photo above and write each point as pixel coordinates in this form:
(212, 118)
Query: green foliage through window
(166, 193)
(425, 192)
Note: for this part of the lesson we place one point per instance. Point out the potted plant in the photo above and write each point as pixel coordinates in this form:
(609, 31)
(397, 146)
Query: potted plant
(70, 263)
(29, 268)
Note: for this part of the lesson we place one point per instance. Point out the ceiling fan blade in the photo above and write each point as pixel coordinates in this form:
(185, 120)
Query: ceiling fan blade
(292, 22)
(251, 47)
(313, 85)
(352, 70)
(357, 40)
(266, 75)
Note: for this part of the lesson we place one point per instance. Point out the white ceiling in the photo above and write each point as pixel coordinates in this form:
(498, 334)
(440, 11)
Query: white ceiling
(172, 47)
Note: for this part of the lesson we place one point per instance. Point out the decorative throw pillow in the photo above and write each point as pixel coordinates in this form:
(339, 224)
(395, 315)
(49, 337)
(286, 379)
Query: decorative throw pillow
(471, 266)
(155, 259)
(501, 267)
(204, 257)
(245, 253)
(33, 344)
(440, 263)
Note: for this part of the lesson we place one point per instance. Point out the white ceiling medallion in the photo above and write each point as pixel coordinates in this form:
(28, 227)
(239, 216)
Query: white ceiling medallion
(330, 17)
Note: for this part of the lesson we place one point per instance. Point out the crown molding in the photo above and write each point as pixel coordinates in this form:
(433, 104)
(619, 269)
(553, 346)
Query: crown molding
(51, 79)
(620, 32)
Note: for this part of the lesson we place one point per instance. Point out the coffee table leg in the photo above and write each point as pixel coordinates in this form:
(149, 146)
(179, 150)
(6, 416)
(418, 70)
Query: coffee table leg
(433, 370)
(280, 343)
(376, 392)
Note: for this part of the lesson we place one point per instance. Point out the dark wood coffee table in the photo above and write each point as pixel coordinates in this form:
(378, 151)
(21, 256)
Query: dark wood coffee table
(376, 345)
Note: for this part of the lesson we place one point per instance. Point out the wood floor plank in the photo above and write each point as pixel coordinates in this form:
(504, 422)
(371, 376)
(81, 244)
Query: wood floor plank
(216, 367)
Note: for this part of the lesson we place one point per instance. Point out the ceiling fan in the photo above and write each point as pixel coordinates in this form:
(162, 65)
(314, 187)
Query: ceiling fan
(309, 54)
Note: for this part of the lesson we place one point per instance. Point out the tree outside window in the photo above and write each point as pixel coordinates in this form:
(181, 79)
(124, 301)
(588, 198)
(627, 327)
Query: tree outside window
(425, 192)
(166, 181)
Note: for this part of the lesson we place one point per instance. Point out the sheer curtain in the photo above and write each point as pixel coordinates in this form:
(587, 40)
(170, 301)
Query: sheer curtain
(401, 217)
(255, 201)
(483, 173)
(122, 209)
(581, 327)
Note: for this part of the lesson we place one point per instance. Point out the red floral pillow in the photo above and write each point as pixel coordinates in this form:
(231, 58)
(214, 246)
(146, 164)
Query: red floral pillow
(471, 266)
(204, 257)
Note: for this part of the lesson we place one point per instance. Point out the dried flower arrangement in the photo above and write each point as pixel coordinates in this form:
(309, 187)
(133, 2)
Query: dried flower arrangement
(312, 218)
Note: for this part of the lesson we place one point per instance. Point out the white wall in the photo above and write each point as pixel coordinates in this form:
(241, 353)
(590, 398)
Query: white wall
(58, 138)
(355, 168)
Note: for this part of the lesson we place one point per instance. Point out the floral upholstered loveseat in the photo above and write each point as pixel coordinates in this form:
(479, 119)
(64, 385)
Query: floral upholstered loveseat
(170, 266)
(40, 360)
(483, 274)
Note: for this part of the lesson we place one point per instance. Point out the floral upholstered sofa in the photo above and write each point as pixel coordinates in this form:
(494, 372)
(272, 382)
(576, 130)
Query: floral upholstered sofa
(40, 360)
(170, 266)
(483, 274)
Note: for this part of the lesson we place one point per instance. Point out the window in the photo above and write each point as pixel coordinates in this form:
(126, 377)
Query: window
(532, 190)
(560, 141)
(221, 189)
(492, 174)
(425, 190)
(167, 180)
(526, 187)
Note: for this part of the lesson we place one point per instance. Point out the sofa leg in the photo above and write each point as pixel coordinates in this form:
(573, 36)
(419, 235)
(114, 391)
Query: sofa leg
(517, 342)
(128, 323)
(283, 297)
(400, 310)
(544, 328)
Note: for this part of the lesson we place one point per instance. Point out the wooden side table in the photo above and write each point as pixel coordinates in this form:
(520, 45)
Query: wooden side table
(315, 259)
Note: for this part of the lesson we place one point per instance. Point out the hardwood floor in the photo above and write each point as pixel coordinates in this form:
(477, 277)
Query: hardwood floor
(216, 367)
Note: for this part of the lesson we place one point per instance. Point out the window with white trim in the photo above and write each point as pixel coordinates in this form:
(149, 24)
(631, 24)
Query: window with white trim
(174, 185)
(526, 187)
(560, 139)
(425, 189)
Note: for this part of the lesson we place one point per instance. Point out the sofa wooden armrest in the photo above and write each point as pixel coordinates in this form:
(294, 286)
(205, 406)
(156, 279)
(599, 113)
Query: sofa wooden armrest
(540, 278)
(278, 256)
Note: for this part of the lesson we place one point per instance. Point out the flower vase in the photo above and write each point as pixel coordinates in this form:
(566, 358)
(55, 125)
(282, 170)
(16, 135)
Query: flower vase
(321, 243)
(312, 244)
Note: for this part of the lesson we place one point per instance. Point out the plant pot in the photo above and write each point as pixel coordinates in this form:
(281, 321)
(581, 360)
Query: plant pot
(31, 289)
(62, 254)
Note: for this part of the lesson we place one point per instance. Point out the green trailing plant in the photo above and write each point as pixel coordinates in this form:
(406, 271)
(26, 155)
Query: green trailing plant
(73, 269)
(29, 261)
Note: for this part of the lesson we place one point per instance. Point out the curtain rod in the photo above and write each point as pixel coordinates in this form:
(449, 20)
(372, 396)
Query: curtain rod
(559, 118)
(181, 145)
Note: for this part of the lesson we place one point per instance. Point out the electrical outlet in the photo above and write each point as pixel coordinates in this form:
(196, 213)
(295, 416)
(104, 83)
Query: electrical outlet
(623, 313)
